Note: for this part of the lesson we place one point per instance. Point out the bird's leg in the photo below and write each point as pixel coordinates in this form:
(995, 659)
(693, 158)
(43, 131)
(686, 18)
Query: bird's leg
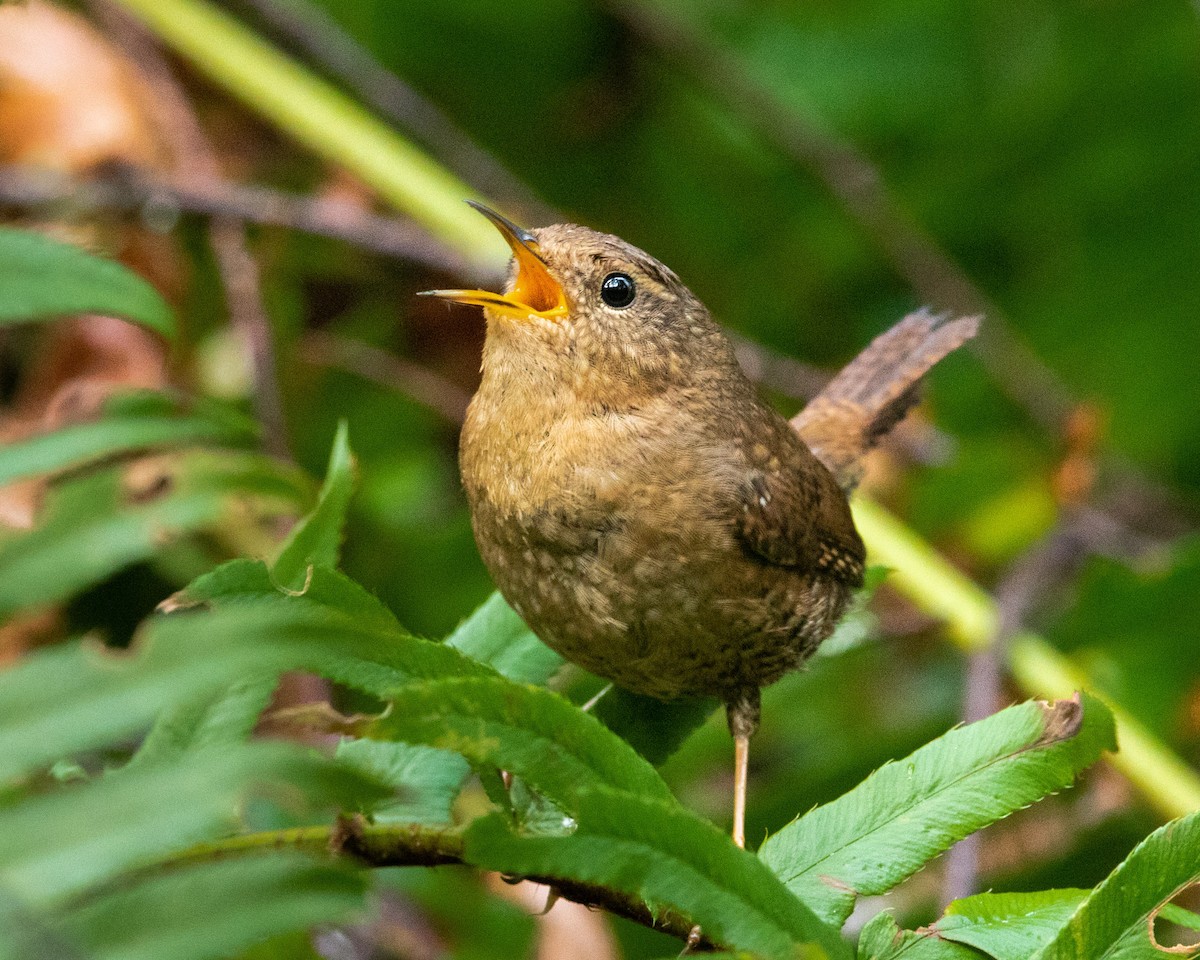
(741, 761)
(742, 712)
(596, 698)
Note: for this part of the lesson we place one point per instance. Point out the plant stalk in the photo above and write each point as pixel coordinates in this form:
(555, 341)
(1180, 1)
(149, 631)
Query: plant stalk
(931, 582)
(325, 120)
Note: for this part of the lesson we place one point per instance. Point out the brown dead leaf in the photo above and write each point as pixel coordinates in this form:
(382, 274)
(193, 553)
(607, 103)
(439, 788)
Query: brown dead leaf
(318, 716)
(68, 99)
(28, 631)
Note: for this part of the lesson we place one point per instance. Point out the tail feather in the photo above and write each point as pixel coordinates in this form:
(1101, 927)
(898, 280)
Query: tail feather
(872, 394)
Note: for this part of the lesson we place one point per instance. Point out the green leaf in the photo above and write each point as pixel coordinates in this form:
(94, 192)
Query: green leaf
(653, 728)
(882, 939)
(909, 811)
(129, 423)
(345, 633)
(660, 853)
(100, 523)
(530, 731)
(426, 780)
(229, 717)
(317, 539)
(494, 634)
(52, 845)
(77, 697)
(43, 278)
(463, 707)
(1008, 926)
(1115, 919)
(215, 909)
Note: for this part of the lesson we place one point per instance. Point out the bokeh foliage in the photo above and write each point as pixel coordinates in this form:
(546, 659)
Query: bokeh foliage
(1050, 149)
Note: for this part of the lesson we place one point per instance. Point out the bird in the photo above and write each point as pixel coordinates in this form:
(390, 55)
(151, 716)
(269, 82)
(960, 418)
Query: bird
(636, 502)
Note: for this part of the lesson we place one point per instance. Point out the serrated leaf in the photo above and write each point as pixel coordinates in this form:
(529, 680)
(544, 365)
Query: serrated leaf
(1008, 926)
(73, 698)
(317, 538)
(665, 855)
(356, 639)
(42, 278)
(1114, 921)
(53, 846)
(494, 634)
(215, 909)
(100, 523)
(129, 423)
(228, 717)
(90, 531)
(527, 730)
(465, 707)
(426, 780)
(882, 939)
(77, 697)
(910, 810)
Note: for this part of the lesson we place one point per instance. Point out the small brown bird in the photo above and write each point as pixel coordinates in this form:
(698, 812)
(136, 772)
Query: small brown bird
(637, 504)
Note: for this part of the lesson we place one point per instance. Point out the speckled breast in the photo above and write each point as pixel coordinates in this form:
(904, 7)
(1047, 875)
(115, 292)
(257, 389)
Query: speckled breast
(667, 612)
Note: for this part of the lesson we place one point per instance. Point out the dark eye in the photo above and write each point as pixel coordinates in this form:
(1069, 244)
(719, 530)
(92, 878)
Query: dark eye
(617, 290)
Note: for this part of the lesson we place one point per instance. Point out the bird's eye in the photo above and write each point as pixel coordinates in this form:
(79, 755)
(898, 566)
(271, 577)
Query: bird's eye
(617, 290)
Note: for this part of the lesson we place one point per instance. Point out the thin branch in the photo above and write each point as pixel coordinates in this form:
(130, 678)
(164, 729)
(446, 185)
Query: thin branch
(196, 159)
(157, 198)
(856, 183)
(305, 28)
(387, 370)
(412, 845)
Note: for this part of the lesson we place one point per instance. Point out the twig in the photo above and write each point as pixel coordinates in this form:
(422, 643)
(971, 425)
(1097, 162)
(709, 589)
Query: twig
(196, 159)
(157, 197)
(388, 370)
(309, 30)
(972, 617)
(1037, 574)
(855, 182)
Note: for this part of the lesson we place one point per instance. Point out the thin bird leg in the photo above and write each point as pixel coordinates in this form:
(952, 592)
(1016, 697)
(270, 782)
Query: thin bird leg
(742, 711)
(596, 698)
(741, 760)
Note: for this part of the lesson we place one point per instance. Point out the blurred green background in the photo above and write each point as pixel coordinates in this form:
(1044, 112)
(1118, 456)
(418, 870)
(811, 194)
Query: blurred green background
(1050, 150)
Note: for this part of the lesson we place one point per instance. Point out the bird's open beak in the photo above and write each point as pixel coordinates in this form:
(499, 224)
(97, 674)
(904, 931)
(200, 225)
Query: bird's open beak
(534, 292)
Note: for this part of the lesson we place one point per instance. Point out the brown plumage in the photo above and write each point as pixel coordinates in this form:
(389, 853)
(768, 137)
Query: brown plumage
(637, 504)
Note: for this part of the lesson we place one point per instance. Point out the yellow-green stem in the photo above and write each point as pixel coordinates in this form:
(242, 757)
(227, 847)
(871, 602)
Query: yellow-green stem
(930, 581)
(325, 120)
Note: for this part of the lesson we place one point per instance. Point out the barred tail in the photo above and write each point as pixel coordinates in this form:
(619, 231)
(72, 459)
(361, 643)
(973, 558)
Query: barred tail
(874, 392)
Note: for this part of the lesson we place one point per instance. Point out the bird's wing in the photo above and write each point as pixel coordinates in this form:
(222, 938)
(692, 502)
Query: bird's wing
(793, 514)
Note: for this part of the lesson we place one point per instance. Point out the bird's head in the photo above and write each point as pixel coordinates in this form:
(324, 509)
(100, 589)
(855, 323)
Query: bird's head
(588, 306)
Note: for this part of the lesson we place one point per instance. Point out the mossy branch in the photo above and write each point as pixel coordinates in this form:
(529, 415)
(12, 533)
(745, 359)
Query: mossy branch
(412, 845)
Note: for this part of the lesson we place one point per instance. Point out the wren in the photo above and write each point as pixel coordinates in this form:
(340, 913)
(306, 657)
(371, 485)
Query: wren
(646, 514)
